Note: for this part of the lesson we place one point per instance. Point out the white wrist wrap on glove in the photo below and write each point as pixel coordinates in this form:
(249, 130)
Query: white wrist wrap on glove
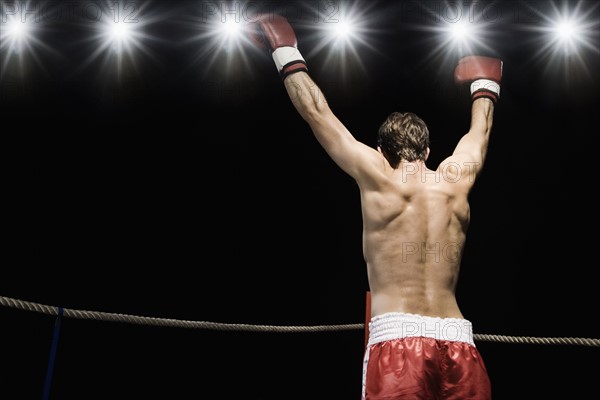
(285, 55)
(485, 84)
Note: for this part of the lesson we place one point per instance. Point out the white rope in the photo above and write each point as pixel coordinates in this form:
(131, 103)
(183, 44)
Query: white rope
(178, 323)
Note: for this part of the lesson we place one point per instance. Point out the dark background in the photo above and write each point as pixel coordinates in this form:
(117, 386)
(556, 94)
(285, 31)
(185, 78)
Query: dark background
(186, 186)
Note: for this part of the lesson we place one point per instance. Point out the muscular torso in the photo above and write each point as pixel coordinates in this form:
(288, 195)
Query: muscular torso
(413, 238)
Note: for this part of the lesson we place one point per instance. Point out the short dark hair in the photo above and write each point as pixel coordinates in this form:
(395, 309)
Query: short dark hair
(403, 136)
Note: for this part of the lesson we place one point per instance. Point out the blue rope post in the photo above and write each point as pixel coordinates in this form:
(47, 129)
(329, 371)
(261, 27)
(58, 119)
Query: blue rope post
(49, 371)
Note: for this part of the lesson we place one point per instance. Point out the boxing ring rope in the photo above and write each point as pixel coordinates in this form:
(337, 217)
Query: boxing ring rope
(178, 323)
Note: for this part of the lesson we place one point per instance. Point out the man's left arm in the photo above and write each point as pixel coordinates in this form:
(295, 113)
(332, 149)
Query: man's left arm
(330, 132)
(353, 157)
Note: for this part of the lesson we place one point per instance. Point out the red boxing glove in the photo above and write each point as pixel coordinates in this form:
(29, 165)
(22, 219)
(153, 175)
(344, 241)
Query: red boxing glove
(274, 32)
(483, 73)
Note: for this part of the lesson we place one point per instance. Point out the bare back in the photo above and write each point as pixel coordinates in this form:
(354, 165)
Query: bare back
(414, 219)
(413, 237)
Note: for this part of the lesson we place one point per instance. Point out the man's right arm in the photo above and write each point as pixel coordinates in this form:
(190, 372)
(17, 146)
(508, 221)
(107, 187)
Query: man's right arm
(484, 75)
(471, 150)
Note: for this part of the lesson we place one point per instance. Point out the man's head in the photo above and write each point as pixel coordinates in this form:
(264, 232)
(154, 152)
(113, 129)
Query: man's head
(403, 136)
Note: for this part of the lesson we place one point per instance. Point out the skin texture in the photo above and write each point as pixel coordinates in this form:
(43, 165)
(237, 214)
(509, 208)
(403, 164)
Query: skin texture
(415, 219)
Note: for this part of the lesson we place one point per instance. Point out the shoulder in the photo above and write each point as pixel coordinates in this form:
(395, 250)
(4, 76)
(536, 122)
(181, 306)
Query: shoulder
(458, 170)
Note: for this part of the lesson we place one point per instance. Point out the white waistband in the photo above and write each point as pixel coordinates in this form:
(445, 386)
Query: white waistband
(397, 325)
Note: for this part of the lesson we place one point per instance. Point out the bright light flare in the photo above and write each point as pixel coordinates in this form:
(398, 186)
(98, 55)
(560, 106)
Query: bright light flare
(567, 35)
(20, 44)
(231, 29)
(221, 36)
(467, 32)
(228, 33)
(460, 37)
(15, 35)
(569, 30)
(17, 29)
(565, 30)
(119, 31)
(343, 32)
(119, 37)
(461, 31)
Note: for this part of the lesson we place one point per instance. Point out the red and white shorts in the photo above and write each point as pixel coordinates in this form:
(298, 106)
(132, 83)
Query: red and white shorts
(410, 357)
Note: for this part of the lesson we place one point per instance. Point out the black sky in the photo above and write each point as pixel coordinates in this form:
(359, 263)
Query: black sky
(189, 188)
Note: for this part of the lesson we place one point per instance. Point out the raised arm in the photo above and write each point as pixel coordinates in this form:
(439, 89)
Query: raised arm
(484, 75)
(355, 158)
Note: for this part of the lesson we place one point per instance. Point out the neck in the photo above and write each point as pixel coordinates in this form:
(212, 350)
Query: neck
(412, 165)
